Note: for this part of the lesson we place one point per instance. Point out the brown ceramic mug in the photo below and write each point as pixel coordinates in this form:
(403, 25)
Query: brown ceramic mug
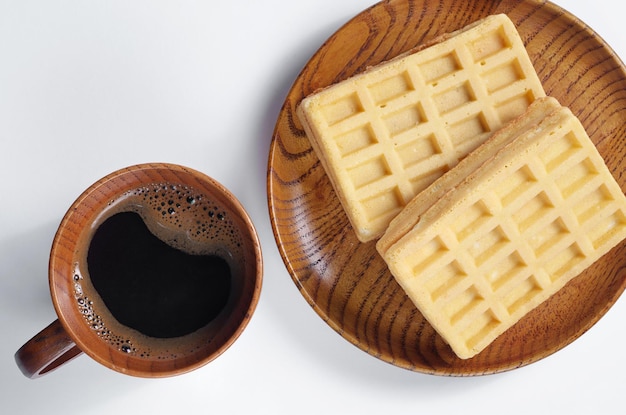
(155, 270)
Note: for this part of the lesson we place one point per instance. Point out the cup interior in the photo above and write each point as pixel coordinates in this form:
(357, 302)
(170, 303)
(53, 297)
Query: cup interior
(95, 331)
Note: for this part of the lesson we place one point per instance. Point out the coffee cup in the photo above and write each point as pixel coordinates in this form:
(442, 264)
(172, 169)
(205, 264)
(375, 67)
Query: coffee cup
(155, 270)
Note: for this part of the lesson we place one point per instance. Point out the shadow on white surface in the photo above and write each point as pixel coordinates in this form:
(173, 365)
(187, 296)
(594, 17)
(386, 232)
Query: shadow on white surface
(24, 292)
(26, 308)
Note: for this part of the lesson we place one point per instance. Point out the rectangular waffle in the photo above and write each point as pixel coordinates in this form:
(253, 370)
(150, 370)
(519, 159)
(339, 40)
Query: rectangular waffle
(386, 134)
(408, 217)
(518, 223)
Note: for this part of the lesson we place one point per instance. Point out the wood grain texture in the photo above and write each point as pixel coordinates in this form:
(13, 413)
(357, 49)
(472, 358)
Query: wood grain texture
(345, 281)
(70, 334)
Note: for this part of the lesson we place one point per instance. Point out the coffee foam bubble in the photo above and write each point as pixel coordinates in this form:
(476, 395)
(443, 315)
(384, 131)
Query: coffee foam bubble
(183, 218)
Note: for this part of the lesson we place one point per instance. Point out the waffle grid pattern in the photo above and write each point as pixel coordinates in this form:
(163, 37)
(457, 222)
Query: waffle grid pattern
(390, 134)
(518, 242)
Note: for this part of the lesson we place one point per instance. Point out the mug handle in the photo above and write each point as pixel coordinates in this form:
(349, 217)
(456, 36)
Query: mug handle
(49, 349)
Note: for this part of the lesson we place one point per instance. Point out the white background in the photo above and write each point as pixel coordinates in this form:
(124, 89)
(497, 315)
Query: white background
(87, 87)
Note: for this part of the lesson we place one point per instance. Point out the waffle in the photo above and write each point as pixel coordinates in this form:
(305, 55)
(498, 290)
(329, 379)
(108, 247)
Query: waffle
(386, 134)
(531, 216)
(408, 217)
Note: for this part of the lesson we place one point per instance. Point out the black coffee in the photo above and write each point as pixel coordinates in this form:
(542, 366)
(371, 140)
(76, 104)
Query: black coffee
(159, 272)
(147, 285)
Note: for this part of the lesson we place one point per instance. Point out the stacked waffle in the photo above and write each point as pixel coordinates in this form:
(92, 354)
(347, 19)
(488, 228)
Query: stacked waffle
(487, 196)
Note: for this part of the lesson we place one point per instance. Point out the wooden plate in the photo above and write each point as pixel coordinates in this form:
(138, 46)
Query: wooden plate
(345, 281)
